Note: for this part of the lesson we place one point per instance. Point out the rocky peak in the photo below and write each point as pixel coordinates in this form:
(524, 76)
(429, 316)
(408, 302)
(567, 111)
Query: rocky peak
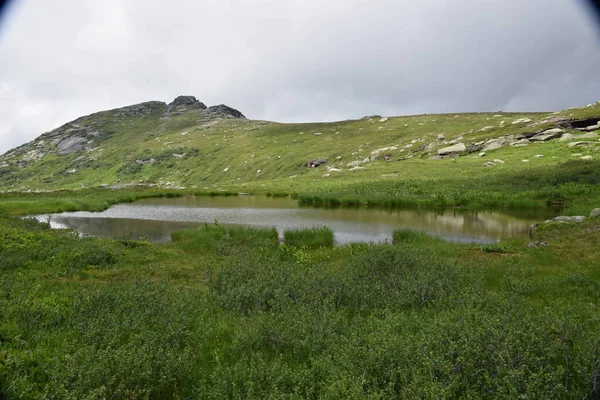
(224, 111)
(182, 104)
(187, 101)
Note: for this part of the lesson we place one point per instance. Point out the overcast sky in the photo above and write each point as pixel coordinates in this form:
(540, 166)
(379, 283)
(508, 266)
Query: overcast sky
(293, 60)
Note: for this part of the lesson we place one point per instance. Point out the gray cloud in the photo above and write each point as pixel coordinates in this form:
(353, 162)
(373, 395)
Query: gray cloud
(293, 60)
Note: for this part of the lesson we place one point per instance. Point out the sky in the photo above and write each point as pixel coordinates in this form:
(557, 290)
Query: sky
(293, 60)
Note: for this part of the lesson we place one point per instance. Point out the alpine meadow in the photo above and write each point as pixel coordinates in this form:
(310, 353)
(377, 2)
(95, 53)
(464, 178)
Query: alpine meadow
(225, 311)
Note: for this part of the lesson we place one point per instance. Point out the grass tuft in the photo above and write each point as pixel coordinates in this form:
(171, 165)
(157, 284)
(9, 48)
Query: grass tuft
(309, 237)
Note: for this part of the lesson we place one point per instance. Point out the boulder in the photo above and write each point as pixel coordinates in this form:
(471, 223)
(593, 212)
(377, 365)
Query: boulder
(520, 143)
(592, 128)
(580, 144)
(383, 119)
(576, 218)
(595, 213)
(457, 148)
(377, 153)
(316, 162)
(489, 164)
(586, 158)
(547, 135)
(441, 136)
(494, 144)
(521, 121)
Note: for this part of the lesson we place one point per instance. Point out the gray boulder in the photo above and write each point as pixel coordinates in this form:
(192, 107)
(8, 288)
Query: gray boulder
(547, 135)
(576, 218)
(457, 148)
(70, 145)
(595, 213)
(316, 162)
(494, 144)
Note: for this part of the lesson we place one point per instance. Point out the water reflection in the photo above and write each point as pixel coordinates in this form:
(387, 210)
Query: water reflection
(155, 219)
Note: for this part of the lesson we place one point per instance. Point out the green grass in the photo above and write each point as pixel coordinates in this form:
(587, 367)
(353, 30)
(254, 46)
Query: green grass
(407, 236)
(309, 237)
(228, 312)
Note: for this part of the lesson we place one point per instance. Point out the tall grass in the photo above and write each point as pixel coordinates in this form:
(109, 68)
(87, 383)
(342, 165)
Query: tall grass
(309, 237)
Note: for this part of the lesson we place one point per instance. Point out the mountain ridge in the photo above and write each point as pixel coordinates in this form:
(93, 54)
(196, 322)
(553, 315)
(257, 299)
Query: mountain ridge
(186, 144)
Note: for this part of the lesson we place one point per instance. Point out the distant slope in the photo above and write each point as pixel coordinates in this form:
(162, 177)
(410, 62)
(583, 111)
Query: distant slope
(186, 144)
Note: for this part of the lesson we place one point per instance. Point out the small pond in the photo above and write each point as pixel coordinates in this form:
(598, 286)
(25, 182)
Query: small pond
(156, 218)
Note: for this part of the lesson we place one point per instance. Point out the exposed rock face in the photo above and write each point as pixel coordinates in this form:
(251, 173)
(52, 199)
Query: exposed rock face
(182, 104)
(223, 111)
(70, 145)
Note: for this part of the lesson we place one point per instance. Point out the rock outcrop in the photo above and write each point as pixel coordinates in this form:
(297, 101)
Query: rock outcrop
(223, 111)
(182, 104)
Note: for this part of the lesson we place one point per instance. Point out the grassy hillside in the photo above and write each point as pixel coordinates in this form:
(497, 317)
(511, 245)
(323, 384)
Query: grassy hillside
(192, 151)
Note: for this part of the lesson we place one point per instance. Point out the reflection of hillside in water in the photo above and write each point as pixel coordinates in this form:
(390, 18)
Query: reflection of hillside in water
(157, 218)
(154, 230)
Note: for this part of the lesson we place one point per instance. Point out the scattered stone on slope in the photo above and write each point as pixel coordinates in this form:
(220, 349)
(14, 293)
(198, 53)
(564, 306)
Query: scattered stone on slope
(378, 153)
(520, 143)
(494, 144)
(595, 213)
(562, 218)
(537, 244)
(580, 144)
(521, 121)
(316, 162)
(592, 128)
(455, 149)
(547, 135)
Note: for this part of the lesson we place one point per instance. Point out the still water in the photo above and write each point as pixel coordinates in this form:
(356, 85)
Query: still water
(155, 219)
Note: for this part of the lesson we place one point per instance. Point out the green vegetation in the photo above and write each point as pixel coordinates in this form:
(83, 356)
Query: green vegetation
(230, 312)
(16, 203)
(224, 312)
(309, 237)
